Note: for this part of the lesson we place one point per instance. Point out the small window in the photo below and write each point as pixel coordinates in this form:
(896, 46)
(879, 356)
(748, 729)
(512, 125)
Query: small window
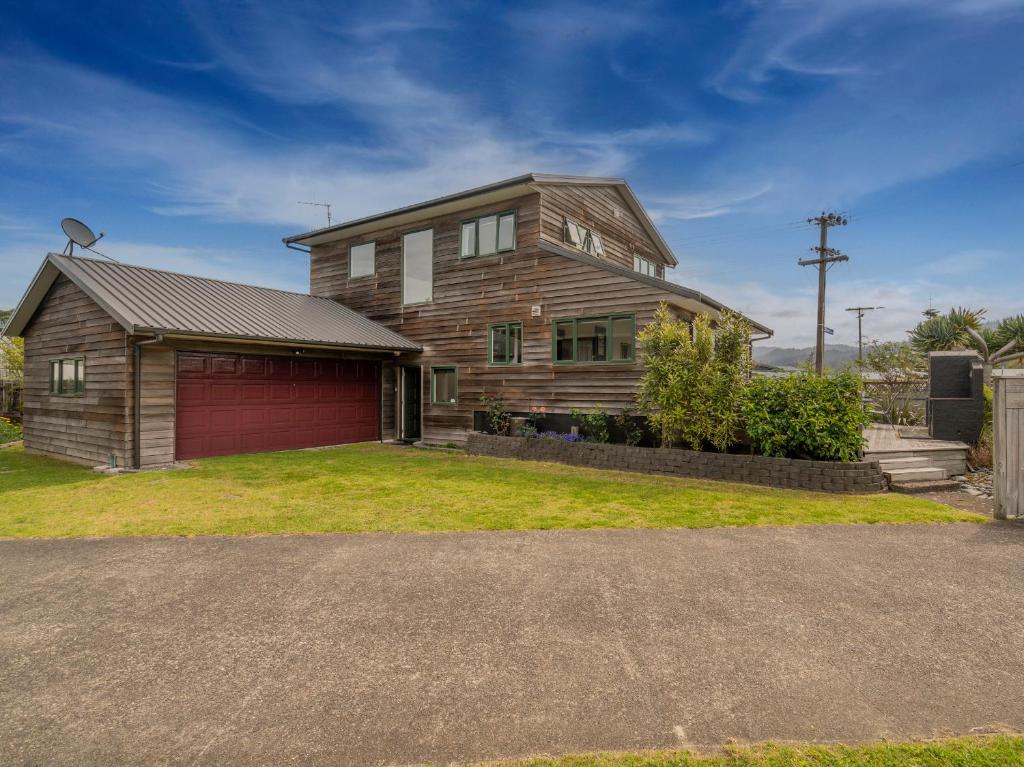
(645, 266)
(590, 340)
(67, 376)
(361, 259)
(418, 267)
(583, 238)
(488, 235)
(506, 343)
(444, 385)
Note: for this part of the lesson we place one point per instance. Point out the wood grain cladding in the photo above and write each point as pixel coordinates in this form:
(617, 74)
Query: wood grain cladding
(88, 428)
(471, 293)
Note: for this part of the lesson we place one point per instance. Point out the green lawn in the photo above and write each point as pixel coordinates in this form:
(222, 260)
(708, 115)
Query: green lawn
(364, 488)
(998, 751)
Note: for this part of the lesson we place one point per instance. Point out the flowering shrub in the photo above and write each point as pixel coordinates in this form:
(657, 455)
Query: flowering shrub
(9, 431)
(560, 436)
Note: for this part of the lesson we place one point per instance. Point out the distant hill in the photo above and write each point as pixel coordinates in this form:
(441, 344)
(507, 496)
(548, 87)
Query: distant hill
(836, 355)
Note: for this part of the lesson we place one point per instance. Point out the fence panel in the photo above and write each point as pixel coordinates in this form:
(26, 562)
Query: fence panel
(1008, 442)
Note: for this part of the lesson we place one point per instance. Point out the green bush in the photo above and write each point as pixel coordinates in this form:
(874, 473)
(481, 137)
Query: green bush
(593, 425)
(806, 416)
(9, 431)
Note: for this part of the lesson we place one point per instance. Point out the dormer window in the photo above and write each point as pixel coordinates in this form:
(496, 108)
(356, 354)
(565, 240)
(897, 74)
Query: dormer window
(582, 238)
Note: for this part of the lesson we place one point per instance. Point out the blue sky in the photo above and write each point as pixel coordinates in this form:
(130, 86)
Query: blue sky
(188, 132)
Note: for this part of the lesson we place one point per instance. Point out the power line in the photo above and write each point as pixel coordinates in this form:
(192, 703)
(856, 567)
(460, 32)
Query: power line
(826, 257)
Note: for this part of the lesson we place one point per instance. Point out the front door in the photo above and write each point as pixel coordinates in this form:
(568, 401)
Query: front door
(412, 392)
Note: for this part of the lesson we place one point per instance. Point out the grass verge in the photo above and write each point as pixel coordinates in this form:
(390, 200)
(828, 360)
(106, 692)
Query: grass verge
(363, 488)
(995, 751)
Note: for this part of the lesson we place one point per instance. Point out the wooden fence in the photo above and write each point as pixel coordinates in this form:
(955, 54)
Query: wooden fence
(1008, 442)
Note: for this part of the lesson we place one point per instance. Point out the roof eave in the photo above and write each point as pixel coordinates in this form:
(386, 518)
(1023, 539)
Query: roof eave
(170, 333)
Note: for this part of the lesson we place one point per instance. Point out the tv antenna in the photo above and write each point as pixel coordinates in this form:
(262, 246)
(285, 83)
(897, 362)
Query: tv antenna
(82, 236)
(320, 205)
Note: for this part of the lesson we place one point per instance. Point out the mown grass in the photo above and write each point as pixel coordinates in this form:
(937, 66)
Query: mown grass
(362, 488)
(996, 751)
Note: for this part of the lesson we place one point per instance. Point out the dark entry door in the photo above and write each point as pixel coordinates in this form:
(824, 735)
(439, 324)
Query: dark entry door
(412, 406)
(234, 403)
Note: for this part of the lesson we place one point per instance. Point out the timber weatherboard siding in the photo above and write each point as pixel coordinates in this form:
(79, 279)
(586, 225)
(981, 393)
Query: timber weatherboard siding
(472, 293)
(90, 427)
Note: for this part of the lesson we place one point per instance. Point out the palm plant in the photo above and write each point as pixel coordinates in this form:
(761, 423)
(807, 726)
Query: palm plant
(962, 328)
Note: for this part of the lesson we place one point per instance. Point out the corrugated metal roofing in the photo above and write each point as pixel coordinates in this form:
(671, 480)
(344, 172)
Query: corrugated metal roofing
(151, 300)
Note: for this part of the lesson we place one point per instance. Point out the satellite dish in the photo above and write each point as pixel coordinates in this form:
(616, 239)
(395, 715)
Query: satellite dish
(78, 234)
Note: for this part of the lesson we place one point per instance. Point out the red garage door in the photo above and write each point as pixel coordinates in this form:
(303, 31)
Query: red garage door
(230, 403)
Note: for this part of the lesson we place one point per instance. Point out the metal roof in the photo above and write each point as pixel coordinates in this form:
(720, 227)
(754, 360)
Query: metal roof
(151, 301)
(506, 188)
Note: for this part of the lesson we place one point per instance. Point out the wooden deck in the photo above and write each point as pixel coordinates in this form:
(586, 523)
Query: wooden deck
(882, 438)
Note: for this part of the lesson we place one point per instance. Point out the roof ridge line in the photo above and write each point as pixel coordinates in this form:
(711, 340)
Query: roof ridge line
(191, 276)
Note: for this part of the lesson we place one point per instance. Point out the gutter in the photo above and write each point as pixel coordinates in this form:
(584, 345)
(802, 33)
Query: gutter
(137, 399)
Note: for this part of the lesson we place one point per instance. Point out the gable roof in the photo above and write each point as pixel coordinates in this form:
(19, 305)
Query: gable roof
(481, 195)
(154, 302)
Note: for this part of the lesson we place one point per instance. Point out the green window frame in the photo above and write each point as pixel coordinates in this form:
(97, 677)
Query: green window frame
(607, 334)
(372, 244)
(67, 376)
(406, 271)
(453, 397)
(470, 238)
(513, 351)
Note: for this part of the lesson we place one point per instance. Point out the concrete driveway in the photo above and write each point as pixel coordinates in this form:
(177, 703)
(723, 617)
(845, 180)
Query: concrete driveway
(375, 649)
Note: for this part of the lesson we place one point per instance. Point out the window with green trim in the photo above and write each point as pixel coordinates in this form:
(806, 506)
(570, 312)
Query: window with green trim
(505, 342)
(361, 259)
(488, 235)
(67, 376)
(586, 340)
(444, 385)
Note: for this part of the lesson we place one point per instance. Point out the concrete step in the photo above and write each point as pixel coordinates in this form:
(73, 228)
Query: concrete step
(916, 474)
(913, 487)
(951, 465)
(940, 454)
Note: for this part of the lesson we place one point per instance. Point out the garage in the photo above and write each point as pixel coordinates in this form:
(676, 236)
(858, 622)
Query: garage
(235, 403)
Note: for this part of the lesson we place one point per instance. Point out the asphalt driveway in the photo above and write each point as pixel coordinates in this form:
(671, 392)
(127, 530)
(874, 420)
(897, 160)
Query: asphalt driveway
(372, 649)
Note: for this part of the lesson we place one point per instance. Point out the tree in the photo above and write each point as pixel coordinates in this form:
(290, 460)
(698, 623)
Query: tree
(899, 378)
(963, 329)
(694, 377)
(12, 359)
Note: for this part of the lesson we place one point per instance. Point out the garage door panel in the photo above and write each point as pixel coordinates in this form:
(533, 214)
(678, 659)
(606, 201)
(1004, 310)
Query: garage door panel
(236, 404)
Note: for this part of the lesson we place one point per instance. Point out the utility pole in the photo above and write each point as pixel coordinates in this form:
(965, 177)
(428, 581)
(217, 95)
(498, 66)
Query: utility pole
(826, 257)
(861, 310)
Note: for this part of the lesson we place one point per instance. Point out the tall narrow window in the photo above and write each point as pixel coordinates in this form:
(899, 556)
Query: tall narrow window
(418, 267)
(506, 343)
(361, 259)
(488, 235)
(563, 341)
(444, 385)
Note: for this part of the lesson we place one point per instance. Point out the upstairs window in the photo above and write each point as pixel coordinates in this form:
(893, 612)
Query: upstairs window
(67, 376)
(645, 266)
(488, 235)
(582, 238)
(506, 343)
(587, 340)
(418, 267)
(361, 259)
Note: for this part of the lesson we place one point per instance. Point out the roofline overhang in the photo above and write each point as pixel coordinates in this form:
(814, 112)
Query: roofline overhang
(700, 301)
(499, 190)
(265, 341)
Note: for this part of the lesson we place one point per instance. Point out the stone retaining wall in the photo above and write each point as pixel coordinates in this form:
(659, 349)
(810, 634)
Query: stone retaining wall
(829, 476)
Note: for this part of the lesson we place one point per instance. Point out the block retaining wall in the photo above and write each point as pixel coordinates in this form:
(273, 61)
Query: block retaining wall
(828, 476)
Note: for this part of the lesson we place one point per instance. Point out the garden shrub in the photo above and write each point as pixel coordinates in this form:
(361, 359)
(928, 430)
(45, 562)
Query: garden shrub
(499, 420)
(626, 423)
(593, 425)
(806, 416)
(693, 378)
(9, 431)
